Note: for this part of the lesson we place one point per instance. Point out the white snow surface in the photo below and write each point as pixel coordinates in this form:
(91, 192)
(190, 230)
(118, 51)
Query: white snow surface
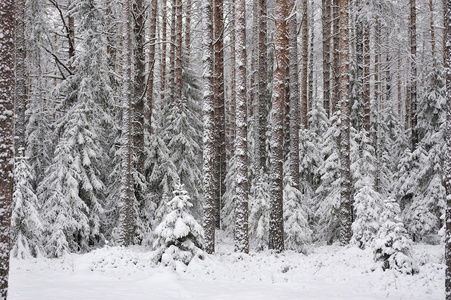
(327, 272)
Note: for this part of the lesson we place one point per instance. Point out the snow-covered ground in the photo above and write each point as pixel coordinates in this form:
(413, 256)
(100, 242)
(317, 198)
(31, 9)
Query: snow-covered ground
(328, 272)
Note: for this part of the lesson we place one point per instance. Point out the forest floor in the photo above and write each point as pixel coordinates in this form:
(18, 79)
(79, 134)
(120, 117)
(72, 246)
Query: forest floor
(327, 272)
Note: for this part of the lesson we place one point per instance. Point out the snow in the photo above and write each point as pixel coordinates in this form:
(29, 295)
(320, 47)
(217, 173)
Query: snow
(327, 272)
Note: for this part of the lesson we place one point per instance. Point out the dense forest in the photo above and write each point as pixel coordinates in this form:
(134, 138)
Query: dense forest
(281, 123)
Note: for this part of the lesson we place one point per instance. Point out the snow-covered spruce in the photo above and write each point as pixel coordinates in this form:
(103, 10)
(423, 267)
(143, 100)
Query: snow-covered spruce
(26, 225)
(297, 233)
(392, 248)
(179, 235)
(259, 212)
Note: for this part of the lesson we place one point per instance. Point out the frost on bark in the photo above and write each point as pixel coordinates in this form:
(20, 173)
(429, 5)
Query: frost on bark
(151, 64)
(231, 136)
(276, 240)
(262, 82)
(335, 55)
(241, 205)
(326, 54)
(127, 221)
(171, 79)
(304, 75)
(345, 205)
(448, 149)
(187, 32)
(220, 169)
(178, 51)
(209, 149)
(7, 83)
(21, 81)
(294, 93)
(413, 72)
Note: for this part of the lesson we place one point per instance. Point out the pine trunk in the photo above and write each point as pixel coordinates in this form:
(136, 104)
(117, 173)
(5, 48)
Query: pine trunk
(21, 81)
(241, 204)
(447, 55)
(171, 79)
(413, 74)
(126, 213)
(231, 116)
(188, 33)
(276, 240)
(366, 75)
(262, 83)
(326, 54)
(163, 50)
(346, 205)
(151, 63)
(7, 88)
(139, 85)
(178, 51)
(304, 75)
(209, 151)
(336, 55)
(294, 92)
(220, 169)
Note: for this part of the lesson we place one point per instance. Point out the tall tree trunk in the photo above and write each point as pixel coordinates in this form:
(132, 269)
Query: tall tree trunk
(447, 55)
(7, 50)
(151, 64)
(231, 136)
(294, 91)
(139, 87)
(366, 75)
(304, 75)
(220, 161)
(163, 50)
(127, 221)
(209, 151)
(431, 17)
(262, 83)
(171, 79)
(241, 204)
(276, 230)
(413, 74)
(326, 54)
(346, 205)
(336, 55)
(21, 80)
(311, 60)
(399, 89)
(188, 33)
(178, 51)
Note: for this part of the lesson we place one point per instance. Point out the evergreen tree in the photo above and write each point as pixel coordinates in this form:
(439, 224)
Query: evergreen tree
(179, 236)
(26, 225)
(259, 212)
(392, 248)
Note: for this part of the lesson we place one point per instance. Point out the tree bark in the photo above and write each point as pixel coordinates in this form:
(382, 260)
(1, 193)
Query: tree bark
(127, 221)
(326, 54)
(241, 204)
(171, 79)
(188, 33)
(21, 79)
(276, 230)
(294, 91)
(151, 64)
(7, 88)
(163, 50)
(346, 205)
(304, 75)
(262, 83)
(336, 55)
(220, 169)
(366, 74)
(209, 151)
(413, 74)
(447, 55)
(178, 51)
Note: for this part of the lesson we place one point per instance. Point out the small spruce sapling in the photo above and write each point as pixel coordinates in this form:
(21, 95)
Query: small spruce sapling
(179, 236)
(259, 212)
(393, 246)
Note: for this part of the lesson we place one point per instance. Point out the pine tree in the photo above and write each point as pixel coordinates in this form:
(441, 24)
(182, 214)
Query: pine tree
(178, 237)
(447, 55)
(7, 49)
